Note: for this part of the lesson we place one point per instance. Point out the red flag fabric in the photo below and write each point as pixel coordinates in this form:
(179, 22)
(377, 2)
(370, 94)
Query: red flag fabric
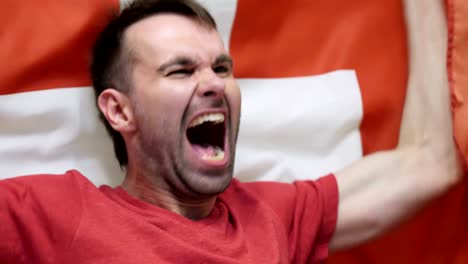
(458, 77)
(295, 38)
(46, 45)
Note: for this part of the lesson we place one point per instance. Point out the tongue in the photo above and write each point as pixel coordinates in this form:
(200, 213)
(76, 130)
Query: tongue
(205, 150)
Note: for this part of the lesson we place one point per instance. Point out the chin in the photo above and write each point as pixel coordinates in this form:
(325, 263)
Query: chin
(208, 184)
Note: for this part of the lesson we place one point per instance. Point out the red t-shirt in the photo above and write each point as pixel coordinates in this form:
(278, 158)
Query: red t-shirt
(66, 219)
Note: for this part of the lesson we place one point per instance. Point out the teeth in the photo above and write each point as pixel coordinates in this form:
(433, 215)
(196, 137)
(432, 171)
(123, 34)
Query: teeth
(218, 155)
(215, 118)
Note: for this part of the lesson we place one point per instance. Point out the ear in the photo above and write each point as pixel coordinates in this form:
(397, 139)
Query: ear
(115, 106)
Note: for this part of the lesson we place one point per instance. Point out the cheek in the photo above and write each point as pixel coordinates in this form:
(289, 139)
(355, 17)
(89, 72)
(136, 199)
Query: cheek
(176, 93)
(168, 98)
(165, 107)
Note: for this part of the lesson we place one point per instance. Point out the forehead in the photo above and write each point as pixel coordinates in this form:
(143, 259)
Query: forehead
(164, 36)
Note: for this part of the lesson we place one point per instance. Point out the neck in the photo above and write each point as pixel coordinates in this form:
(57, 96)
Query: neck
(153, 189)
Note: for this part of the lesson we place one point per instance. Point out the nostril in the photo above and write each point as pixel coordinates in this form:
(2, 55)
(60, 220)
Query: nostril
(209, 93)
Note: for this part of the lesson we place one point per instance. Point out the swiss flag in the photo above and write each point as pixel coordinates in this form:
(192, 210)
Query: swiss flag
(323, 84)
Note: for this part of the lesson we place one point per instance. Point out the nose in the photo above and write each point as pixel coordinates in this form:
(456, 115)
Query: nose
(211, 85)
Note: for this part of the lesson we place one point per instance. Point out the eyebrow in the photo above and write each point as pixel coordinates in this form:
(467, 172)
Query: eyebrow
(186, 61)
(224, 58)
(181, 61)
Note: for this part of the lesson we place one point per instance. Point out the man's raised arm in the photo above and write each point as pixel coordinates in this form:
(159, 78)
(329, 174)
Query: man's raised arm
(385, 188)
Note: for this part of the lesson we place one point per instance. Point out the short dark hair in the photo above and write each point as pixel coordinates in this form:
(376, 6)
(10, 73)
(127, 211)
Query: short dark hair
(110, 61)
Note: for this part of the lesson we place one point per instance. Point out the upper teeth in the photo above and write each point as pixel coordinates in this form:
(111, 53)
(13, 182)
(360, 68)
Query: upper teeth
(215, 118)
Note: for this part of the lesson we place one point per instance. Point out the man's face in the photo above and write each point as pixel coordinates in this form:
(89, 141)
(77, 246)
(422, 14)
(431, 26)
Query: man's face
(186, 103)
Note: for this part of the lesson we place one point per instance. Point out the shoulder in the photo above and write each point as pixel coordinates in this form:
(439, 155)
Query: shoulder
(41, 207)
(40, 202)
(45, 183)
(307, 209)
(48, 189)
(277, 192)
(285, 198)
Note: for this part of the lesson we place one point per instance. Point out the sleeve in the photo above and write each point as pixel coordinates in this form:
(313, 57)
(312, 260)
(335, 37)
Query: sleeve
(37, 217)
(315, 213)
(308, 210)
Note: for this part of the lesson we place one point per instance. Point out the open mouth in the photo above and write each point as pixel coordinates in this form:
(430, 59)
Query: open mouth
(206, 134)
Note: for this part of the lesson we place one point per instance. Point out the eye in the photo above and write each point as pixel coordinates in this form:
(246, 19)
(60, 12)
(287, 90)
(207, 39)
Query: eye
(180, 73)
(223, 70)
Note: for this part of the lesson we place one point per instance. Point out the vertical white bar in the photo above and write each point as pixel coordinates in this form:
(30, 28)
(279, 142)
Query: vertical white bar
(223, 12)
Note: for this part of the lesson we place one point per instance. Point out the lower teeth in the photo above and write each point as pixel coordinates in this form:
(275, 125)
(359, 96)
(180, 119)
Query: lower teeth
(218, 155)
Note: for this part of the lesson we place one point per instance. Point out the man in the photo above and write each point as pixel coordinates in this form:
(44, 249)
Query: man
(166, 91)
